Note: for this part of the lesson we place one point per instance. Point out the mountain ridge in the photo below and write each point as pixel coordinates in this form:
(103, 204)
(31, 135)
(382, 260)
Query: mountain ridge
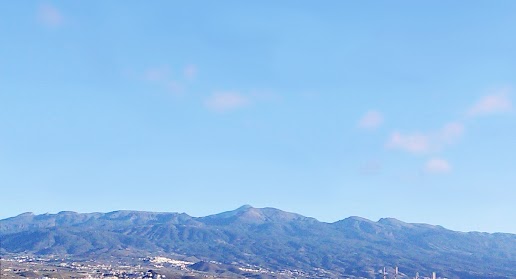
(384, 220)
(267, 237)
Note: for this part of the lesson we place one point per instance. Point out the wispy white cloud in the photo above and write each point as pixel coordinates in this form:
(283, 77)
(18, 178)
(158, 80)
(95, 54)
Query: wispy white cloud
(450, 133)
(226, 101)
(163, 77)
(431, 142)
(437, 166)
(413, 143)
(50, 16)
(420, 143)
(371, 120)
(190, 72)
(157, 74)
(495, 103)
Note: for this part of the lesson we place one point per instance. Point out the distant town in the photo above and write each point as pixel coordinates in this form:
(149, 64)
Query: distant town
(50, 267)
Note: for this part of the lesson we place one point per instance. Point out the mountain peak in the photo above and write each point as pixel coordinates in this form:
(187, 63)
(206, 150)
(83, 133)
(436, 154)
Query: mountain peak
(244, 207)
(247, 214)
(393, 222)
(389, 220)
(25, 214)
(358, 218)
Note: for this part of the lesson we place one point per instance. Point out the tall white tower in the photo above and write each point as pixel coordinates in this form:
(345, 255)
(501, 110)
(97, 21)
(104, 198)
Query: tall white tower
(384, 273)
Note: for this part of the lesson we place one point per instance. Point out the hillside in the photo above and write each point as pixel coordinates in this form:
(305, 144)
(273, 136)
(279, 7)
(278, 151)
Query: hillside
(268, 238)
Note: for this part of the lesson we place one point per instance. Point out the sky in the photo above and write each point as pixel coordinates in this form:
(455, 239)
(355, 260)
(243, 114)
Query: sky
(400, 109)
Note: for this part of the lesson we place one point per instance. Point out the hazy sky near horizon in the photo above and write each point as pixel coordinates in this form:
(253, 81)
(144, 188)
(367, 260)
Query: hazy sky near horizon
(377, 109)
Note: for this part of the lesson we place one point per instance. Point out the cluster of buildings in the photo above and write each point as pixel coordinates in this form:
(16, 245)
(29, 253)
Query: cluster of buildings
(53, 268)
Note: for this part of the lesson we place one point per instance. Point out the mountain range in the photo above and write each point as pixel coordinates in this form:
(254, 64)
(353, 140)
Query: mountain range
(269, 238)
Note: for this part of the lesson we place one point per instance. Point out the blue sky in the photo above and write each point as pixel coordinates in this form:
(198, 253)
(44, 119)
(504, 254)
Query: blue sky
(378, 109)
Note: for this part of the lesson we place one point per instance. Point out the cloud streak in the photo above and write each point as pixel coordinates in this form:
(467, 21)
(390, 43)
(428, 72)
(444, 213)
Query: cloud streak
(190, 72)
(413, 143)
(226, 101)
(371, 120)
(491, 104)
(421, 143)
(437, 166)
(156, 74)
(427, 143)
(450, 133)
(50, 16)
(162, 76)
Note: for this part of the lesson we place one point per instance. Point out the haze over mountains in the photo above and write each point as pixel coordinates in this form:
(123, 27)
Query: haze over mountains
(267, 237)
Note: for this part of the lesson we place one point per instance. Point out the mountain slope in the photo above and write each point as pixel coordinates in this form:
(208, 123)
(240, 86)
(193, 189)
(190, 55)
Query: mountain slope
(270, 238)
